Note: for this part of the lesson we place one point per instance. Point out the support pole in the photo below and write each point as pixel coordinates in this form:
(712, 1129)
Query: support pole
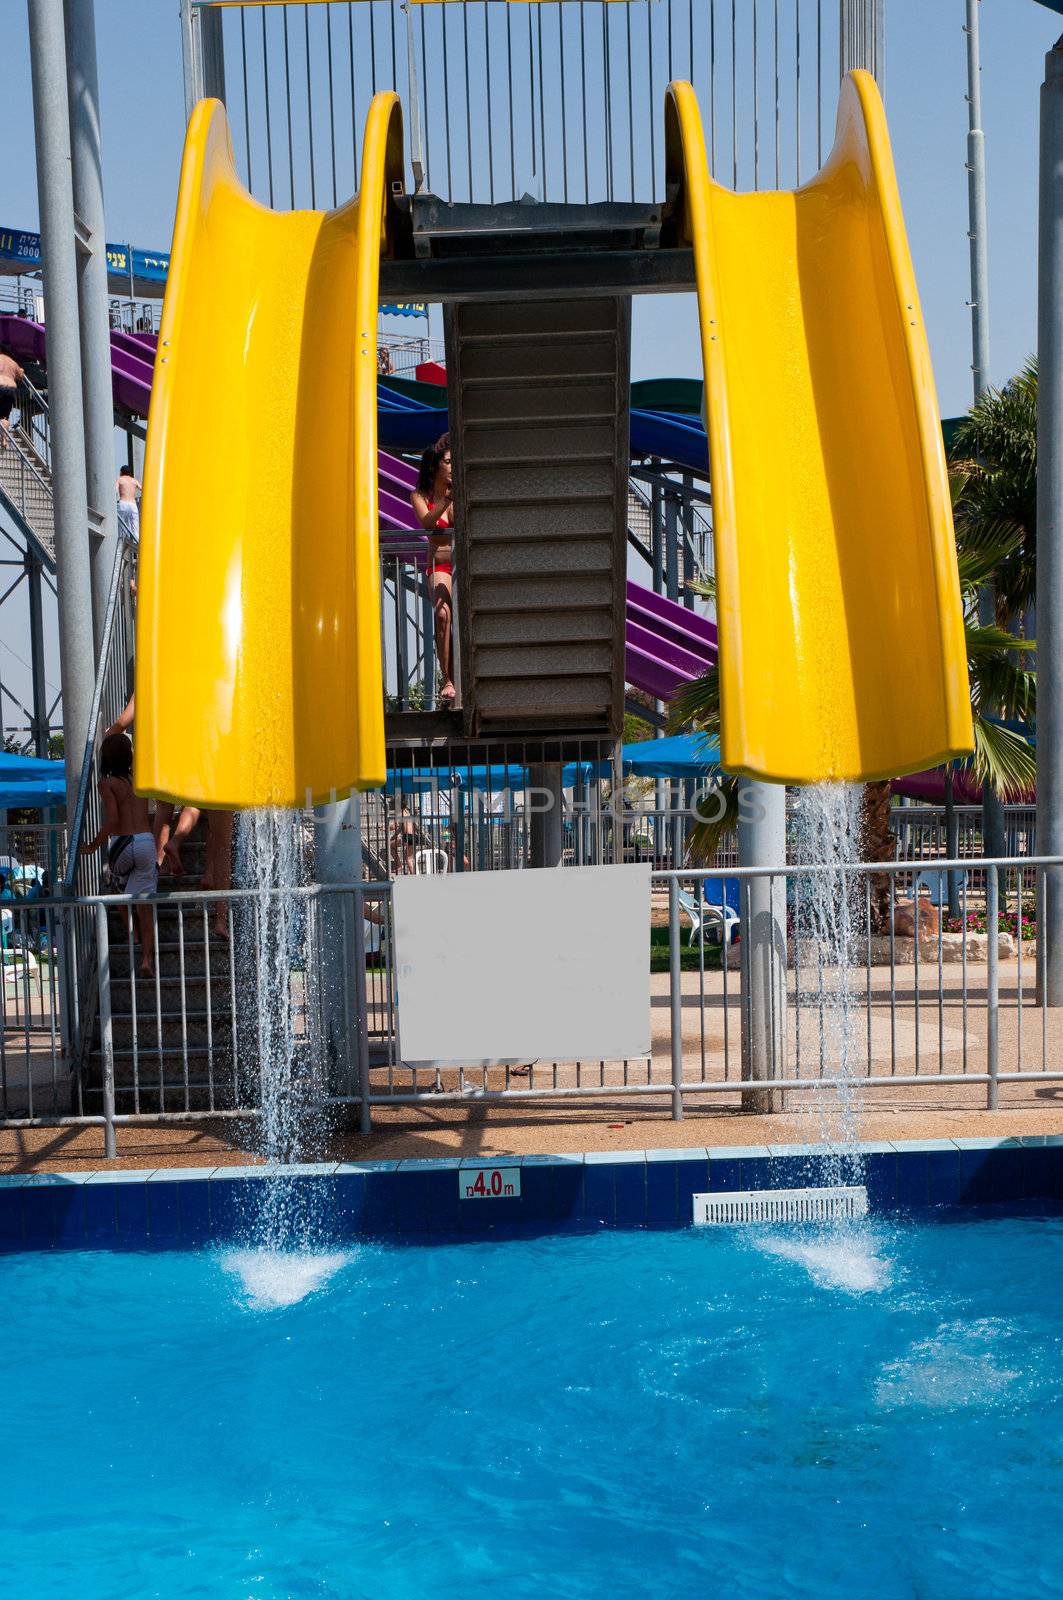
(93, 313)
(34, 585)
(992, 1031)
(344, 1010)
(675, 996)
(862, 38)
(103, 971)
(993, 843)
(762, 843)
(51, 121)
(1050, 526)
(546, 817)
(976, 207)
(428, 628)
(202, 54)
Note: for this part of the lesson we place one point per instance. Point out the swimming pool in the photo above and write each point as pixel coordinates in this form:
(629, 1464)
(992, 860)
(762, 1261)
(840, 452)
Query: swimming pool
(701, 1413)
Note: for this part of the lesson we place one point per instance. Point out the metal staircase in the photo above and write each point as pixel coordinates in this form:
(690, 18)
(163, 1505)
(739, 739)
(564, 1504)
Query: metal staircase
(174, 1043)
(539, 436)
(25, 471)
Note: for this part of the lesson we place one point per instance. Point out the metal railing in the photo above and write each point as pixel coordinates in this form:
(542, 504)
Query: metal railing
(135, 315)
(942, 1013)
(27, 486)
(76, 929)
(400, 354)
(34, 423)
(572, 94)
(921, 831)
(948, 1020)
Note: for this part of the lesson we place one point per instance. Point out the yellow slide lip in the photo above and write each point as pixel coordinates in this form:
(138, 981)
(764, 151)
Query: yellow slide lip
(333, 733)
(690, 186)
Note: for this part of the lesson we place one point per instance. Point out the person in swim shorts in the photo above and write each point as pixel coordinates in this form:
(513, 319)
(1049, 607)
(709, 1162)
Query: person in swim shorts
(127, 489)
(126, 829)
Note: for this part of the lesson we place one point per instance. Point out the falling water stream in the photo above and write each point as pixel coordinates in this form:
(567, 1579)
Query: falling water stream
(831, 922)
(276, 963)
(275, 967)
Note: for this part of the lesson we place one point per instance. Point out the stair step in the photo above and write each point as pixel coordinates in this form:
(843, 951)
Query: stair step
(194, 1027)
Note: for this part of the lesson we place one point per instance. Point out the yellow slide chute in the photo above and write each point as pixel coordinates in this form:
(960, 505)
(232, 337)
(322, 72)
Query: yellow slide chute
(840, 624)
(258, 672)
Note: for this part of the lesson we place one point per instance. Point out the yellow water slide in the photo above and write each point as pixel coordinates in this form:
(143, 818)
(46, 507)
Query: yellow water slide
(840, 623)
(258, 672)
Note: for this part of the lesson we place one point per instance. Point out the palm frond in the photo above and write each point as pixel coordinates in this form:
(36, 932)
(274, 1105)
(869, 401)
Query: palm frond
(704, 837)
(991, 640)
(1005, 690)
(705, 586)
(697, 705)
(1003, 759)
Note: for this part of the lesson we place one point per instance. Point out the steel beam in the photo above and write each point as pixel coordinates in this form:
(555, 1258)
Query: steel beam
(93, 307)
(1050, 526)
(40, 688)
(51, 117)
(549, 276)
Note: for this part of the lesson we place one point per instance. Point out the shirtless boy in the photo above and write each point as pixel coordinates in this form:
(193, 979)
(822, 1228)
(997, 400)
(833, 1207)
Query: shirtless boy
(11, 375)
(131, 851)
(128, 510)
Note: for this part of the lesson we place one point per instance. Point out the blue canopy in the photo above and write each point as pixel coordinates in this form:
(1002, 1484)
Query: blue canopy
(684, 755)
(29, 781)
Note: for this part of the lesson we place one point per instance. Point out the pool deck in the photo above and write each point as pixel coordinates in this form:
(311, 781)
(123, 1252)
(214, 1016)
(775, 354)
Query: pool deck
(450, 1130)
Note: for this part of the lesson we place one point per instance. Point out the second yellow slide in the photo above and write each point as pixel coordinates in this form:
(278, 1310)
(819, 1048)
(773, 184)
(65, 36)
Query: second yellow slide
(842, 652)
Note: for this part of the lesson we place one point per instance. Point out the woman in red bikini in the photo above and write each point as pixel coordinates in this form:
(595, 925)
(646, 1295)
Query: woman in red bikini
(433, 501)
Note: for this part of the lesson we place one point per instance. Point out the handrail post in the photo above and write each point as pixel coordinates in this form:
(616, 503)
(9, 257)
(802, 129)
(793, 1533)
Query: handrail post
(992, 1032)
(675, 970)
(361, 1002)
(1050, 528)
(103, 968)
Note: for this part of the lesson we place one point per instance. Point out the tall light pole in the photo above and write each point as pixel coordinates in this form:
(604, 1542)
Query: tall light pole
(93, 319)
(1050, 526)
(993, 842)
(51, 127)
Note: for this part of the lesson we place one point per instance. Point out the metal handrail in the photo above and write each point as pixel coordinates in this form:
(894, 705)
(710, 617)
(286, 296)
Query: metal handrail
(77, 824)
(27, 461)
(40, 409)
(79, 993)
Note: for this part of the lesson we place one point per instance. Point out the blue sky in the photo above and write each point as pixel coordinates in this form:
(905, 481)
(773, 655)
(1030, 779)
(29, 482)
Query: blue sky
(140, 71)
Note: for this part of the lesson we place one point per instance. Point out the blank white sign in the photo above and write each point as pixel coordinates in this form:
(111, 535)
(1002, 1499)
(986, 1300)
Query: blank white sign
(545, 963)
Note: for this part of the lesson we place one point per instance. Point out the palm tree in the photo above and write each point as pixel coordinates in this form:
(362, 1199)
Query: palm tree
(994, 482)
(993, 456)
(1003, 689)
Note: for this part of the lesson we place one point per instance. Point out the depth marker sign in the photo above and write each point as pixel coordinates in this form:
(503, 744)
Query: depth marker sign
(488, 1183)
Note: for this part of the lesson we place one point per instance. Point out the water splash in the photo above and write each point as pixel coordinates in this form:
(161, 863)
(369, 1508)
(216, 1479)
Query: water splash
(959, 1367)
(829, 919)
(835, 1258)
(276, 964)
(271, 1279)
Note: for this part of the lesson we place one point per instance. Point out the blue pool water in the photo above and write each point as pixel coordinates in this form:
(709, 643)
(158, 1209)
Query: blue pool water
(698, 1414)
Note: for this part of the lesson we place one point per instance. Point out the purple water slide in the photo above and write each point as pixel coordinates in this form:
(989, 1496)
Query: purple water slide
(667, 645)
(132, 360)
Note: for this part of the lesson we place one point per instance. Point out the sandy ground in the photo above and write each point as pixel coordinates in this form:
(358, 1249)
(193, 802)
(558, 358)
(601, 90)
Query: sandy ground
(451, 1130)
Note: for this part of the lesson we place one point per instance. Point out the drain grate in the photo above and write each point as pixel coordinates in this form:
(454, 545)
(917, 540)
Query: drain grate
(780, 1205)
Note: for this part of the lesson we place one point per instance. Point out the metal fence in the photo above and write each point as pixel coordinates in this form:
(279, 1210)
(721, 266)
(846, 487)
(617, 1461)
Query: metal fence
(922, 834)
(572, 93)
(919, 1015)
(75, 931)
